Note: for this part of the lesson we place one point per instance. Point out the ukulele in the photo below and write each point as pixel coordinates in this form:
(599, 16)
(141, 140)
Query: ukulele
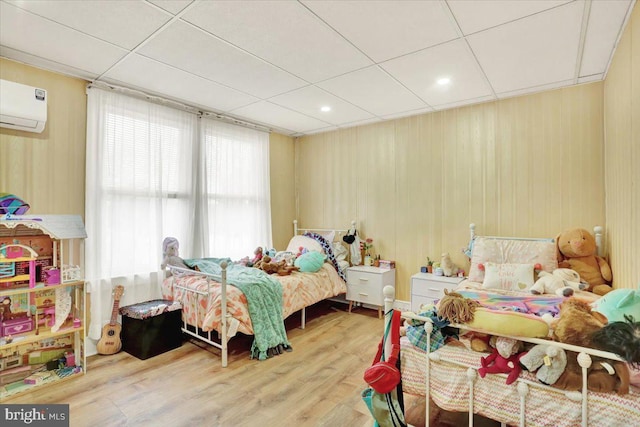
(110, 340)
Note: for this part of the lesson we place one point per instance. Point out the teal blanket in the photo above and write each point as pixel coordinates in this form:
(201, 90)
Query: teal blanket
(264, 298)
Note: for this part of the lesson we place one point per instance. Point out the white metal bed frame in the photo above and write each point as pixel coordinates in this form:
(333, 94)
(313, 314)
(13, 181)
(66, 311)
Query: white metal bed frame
(523, 385)
(228, 324)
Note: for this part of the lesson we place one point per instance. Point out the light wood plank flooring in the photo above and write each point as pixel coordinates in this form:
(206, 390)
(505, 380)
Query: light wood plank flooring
(317, 384)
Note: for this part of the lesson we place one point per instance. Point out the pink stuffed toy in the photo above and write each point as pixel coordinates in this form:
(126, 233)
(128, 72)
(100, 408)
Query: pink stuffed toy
(497, 364)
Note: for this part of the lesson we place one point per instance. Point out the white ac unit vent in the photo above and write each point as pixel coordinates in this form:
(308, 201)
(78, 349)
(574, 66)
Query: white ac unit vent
(22, 107)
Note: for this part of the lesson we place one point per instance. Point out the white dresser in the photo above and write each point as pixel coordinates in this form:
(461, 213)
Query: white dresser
(365, 284)
(426, 288)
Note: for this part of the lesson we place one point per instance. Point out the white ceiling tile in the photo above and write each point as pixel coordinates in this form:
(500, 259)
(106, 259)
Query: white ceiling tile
(409, 113)
(605, 22)
(157, 77)
(190, 49)
(171, 6)
(26, 32)
(269, 113)
(535, 89)
(591, 78)
(308, 100)
(464, 102)
(373, 90)
(46, 64)
(474, 16)
(387, 29)
(419, 72)
(283, 33)
(123, 23)
(512, 58)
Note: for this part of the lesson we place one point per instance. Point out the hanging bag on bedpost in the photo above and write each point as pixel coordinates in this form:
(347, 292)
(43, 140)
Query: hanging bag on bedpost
(383, 376)
(387, 409)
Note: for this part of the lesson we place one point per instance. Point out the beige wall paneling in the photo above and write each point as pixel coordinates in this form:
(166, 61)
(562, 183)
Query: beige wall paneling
(622, 157)
(527, 166)
(47, 169)
(282, 187)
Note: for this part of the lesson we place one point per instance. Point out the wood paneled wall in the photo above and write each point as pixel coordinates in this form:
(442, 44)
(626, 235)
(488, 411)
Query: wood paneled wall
(47, 169)
(283, 203)
(622, 156)
(529, 166)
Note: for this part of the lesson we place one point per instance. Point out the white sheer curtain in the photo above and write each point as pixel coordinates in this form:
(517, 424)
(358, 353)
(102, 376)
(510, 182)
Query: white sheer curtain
(139, 189)
(234, 190)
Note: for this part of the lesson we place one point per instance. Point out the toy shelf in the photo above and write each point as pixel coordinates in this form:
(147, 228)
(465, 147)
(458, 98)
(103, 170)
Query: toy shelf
(39, 287)
(43, 334)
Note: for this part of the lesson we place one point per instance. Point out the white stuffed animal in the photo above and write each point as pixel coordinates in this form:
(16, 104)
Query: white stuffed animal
(562, 282)
(170, 253)
(448, 267)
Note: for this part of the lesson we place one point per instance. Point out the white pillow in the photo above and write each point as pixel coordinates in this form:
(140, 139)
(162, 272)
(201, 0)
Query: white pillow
(303, 241)
(513, 277)
(329, 236)
(339, 251)
(504, 251)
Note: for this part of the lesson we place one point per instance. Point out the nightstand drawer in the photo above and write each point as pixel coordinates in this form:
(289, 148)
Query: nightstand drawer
(356, 277)
(365, 294)
(427, 288)
(419, 301)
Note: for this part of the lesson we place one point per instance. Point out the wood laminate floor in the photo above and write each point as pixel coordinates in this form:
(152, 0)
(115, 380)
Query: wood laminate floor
(317, 384)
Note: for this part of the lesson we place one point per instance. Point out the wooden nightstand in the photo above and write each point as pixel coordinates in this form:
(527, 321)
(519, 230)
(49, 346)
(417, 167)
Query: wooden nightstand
(365, 284)
(426, 288)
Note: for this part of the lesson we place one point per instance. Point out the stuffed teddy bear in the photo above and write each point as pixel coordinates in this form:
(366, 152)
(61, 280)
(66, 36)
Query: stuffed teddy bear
(562, 282)
(577, 325)
(576, 249)
(448, 267)
(497, 364)
(271, 267)
(170, 253)
(547, 361)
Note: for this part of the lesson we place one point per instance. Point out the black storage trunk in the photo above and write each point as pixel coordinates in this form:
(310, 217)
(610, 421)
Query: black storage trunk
(151, 328)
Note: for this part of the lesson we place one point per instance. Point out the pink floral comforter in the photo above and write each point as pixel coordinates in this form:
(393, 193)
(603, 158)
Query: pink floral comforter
(299, 290)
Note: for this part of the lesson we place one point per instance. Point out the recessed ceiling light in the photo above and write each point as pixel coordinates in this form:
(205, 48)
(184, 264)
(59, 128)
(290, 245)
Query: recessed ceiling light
(444, 81)
(325, 109)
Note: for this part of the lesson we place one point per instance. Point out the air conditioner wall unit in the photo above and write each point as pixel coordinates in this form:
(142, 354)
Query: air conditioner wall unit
(22, 107)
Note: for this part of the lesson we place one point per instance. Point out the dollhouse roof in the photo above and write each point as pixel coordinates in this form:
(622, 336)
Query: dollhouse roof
(55, 226)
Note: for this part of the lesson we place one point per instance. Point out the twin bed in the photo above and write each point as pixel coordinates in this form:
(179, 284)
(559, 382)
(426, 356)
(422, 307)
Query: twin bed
(449, 376)
(214, 311)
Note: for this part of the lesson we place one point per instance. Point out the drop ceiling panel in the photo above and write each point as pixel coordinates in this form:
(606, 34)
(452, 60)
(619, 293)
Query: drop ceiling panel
(188, 48)
(605, 21)
(474, 16)
(309, 100)
(283, 33)
(26, 32)
(123, 23)
(419, 72)
(387, 29)
(512, 59)
(45, 64)
(157, 77)
(373, 90)
(275, 115)
(171, 6)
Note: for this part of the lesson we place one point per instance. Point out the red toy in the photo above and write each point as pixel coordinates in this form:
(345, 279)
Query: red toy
(496, 364)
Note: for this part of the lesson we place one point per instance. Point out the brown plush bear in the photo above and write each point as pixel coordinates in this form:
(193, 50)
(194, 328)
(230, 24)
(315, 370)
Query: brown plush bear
(271, 267)
(576, 325)
(576, 249)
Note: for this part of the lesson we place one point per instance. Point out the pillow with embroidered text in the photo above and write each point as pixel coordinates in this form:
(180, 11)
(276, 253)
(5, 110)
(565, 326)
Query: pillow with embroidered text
(513, 277)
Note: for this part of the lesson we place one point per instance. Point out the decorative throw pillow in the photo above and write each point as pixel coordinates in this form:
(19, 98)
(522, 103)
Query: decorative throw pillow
(310, 262)
(509, 251)
(514, 277)
(12, 204)
(310, 244)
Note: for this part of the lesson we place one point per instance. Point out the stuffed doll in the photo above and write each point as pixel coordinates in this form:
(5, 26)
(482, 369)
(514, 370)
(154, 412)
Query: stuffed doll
(547, 361)
(497, 364)
(170, 253)
(562, 282)
(576, 249)
(280, 268)
(577, 325)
